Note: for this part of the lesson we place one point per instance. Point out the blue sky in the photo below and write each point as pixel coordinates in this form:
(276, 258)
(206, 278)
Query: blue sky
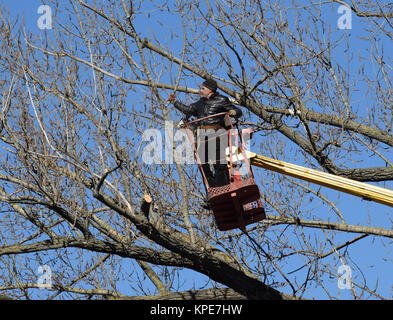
(370, 252)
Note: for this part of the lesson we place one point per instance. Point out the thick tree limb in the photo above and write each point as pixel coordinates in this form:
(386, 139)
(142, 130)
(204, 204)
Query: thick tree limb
(207, 294)
(129, 250)
(275, 220)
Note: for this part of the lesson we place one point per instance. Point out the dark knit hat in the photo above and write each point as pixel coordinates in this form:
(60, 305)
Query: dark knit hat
(210, 84)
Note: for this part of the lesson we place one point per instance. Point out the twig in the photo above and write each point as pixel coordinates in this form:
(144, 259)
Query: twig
(106, 173)
(271, 260)
(36, 115)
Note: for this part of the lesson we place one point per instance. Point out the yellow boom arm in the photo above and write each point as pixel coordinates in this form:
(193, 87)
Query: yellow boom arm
(356, 188)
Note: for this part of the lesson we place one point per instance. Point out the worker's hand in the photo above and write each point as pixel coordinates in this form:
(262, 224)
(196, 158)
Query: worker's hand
(181, 124)
(172, 98)
(232, 113)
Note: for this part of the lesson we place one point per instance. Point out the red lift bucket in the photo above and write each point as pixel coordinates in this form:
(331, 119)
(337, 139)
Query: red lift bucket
(237, 204)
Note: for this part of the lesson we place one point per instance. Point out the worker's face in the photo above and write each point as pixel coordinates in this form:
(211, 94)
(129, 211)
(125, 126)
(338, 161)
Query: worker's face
(206, 92)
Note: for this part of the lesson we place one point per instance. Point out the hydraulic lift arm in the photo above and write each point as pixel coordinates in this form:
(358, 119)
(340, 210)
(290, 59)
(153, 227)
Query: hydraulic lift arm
(356, 188)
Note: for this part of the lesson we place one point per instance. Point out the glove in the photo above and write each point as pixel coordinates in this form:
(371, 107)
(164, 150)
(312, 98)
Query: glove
(232, 113)
(172, 98)
(181, 123)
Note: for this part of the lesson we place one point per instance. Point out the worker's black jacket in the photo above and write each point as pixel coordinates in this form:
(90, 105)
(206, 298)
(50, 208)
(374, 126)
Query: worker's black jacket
(208, 107)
